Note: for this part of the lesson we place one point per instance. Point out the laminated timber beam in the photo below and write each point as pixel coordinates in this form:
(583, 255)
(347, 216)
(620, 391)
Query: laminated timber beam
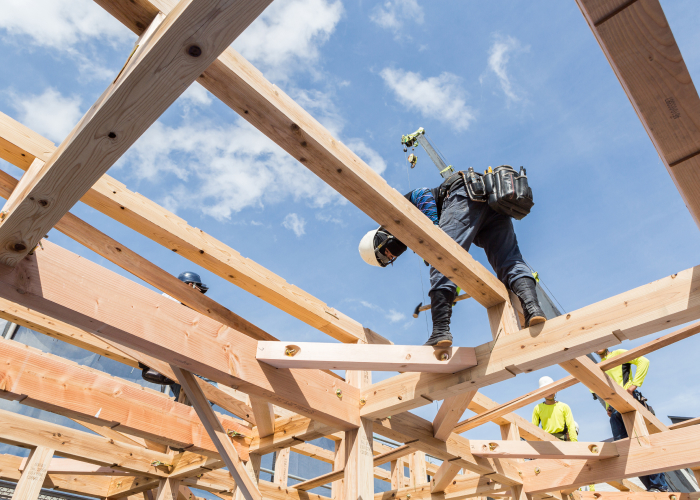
(172, 52)
(671, 450)
(639, 495)
(645, 310)
(640, 47)
(19, 430)
(51, 383)
(542, 449)
(164, 329)
(144, 216)
(34, 473)
(462, 487)
(244, 89)
(404, 358)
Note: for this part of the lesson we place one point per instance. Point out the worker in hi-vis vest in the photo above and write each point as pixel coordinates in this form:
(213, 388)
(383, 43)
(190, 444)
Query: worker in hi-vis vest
(555, 416)
(622, 374)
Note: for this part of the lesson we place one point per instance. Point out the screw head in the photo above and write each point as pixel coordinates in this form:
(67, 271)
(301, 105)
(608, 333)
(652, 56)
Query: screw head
(363, 401)
(194, 50)
(537, 470)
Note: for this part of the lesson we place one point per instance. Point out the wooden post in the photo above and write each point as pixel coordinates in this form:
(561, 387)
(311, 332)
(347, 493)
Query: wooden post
(282, 467)
(636, 428)
(338, 487)
(419, 474)
(168, 489)
(252, 469)
(444, 476)
(511, 432)
(451, 410)
(397, 474)
(359, 459)
(32, 479)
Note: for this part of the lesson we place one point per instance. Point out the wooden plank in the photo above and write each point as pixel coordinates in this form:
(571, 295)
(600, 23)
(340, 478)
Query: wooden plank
(281, 468)
(167, 59)
(151, 220)
(327, 478)
(313, 451)
(685, 423)
(588, 373)
(620, 495)
(165, 329)
(392, 455)
(244, 89)
(542, 449)
(20, 145)
(289, 432)
(625, 485)
(662, 304)
(514, 404)
(338, 487)
(53, 384)
(319, 355)
(671, 450)
(462, 487)
(264, 416)
(30, 483)
(640, 47)
(444, 477)
(24, 431)
(68, 466)
(217, 434)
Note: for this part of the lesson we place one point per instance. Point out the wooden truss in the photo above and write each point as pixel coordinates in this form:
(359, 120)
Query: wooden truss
(145, 445)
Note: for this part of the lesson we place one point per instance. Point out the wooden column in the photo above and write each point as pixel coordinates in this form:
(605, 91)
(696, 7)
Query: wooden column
(32, 478)
(636, 428)
(338, 487)
(398, 479)
(511, 432)
(419, 474)
(359, 459)
(252, 469)
(168, 489)
(282, 468)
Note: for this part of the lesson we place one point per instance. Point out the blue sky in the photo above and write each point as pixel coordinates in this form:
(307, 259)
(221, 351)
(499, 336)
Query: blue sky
(522, 83)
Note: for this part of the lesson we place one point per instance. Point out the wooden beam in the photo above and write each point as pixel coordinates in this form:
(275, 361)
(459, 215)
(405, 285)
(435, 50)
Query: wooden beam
(640, 47)
(671, 450)
(511, 406)
(588, 373)
(30, 483)
(165, 329)
(168, 489)
(542, 449)
(451, 410)
(281, 475)
(50, 383)
(139, 213)
(217, 433)
(640, 495)
(685, 423)
(313, 451)
(338, 487)
(166, 60)
(289, 432)
(404, 358)
(462, 487)
(392, 455)
(444, 477)
(416, 466)
(264, 416)
(19, 430)
(625, 485)
(665, 303)
(397, 474)
(359, 460)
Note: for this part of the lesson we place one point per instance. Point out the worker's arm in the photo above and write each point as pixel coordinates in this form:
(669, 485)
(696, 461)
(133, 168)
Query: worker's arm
(536, 416)
(570, 424)
(424, 201)
(640, 372)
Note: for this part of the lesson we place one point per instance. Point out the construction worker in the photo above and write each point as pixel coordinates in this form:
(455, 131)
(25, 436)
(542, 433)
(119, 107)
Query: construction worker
(153, 376)
(622, 374)
(555, 416)
(466, 221)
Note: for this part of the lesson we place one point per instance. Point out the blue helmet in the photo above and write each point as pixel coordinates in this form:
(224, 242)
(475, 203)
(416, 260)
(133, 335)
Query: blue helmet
(190, 277)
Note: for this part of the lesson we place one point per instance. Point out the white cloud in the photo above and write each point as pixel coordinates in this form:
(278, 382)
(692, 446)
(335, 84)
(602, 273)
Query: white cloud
(196, 95)
(393, 14)
(50, 114)
(438, 97)
(499, 57)
(65, 26)
(369, 155)
(287, 36)
(392, 315)
(295, 223)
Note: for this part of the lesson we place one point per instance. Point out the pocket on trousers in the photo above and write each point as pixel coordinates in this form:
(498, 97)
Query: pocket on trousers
(455, 211)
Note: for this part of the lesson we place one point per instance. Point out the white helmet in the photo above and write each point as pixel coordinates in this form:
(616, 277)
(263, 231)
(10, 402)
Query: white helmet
(545, 381)
(372, 254)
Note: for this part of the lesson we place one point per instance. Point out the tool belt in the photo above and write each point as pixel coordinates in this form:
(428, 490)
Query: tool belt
(506, 191)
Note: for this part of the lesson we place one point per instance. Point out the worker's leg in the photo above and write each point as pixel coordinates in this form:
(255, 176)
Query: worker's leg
(497, 237)
(460, 217)
(654, 482)
(617, 425)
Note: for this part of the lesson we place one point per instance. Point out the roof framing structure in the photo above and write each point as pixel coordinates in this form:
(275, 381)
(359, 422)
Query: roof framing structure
(143, 443)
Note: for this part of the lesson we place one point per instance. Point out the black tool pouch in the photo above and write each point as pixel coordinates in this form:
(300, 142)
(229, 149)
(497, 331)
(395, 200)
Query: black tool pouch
(474, 185)
(508, 192)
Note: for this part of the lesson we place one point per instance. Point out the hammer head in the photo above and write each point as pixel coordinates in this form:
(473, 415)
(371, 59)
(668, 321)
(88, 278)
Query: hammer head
(416, 311)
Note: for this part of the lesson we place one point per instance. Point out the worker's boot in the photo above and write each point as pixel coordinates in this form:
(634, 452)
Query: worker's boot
(441, 310)
(152, 376)
(524, 288)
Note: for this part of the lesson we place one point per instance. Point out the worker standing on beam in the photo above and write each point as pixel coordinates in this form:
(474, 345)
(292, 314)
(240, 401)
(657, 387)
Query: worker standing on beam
(622, 374)
(467, 220)
(556, 417)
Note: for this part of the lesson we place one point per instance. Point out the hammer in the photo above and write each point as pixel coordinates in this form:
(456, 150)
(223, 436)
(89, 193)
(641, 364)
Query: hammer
(420, 307)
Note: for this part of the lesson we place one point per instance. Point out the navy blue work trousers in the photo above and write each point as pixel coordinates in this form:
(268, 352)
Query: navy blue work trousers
(657, 481)
(468, 222)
